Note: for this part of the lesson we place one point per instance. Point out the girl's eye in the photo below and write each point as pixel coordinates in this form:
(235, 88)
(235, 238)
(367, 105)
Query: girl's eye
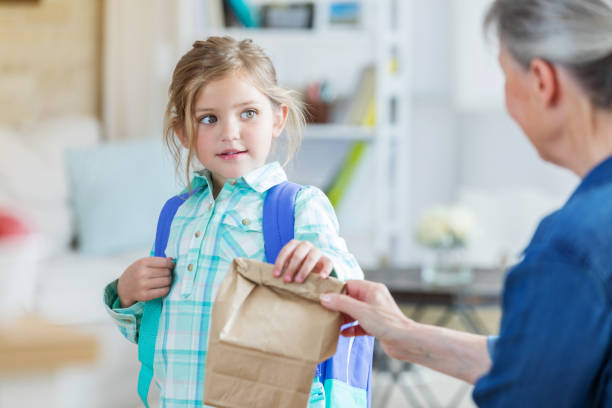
(248, 114)
(208, 119)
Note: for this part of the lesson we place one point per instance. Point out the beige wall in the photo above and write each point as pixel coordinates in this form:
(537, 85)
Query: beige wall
(49, 59)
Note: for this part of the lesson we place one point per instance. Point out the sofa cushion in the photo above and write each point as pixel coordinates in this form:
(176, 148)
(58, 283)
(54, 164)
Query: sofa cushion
(117, 191)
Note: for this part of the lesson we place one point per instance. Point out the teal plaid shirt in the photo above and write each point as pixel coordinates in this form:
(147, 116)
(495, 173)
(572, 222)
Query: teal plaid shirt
(205, 236)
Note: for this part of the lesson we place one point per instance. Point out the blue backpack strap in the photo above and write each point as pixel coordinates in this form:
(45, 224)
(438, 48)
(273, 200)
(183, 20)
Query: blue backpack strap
(279, 218)
(347, 375)
(152, 309)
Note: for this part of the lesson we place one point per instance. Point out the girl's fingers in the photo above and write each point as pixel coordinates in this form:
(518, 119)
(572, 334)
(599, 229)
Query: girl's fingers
(324, 267)
(283, 256)
(309, 263)
(158, 283)
(296, 260)
(154, 273)
(155, 293)
(158, 262)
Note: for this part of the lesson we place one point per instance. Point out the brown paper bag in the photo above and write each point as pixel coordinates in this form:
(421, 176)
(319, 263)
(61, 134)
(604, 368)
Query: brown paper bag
(267, 337)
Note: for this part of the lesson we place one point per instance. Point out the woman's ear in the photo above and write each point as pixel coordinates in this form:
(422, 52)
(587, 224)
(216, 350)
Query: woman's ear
(180, 132)
(545, 82)
(280, 120)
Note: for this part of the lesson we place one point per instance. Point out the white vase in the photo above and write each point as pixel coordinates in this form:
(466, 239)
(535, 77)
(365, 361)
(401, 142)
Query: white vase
(446, 267)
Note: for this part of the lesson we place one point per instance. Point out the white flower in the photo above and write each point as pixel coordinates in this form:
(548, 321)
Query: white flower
(445, 226)
(461, 222)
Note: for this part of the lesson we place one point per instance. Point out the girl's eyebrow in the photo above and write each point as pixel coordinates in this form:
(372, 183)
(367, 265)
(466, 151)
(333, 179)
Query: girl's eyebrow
(204, 109)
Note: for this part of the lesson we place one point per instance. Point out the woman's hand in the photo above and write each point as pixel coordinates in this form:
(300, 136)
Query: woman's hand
(147, 278)
(459, 354)
(297, 259)
(373, 307)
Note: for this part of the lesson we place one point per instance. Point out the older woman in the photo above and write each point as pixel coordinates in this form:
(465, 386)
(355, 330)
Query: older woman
(555, 343)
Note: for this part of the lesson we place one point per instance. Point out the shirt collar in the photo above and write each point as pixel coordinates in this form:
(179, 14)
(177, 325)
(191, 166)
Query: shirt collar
(261, 179)
(601, 174)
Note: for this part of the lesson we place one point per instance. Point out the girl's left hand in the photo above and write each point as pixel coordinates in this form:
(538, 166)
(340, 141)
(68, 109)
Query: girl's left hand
(297, 259)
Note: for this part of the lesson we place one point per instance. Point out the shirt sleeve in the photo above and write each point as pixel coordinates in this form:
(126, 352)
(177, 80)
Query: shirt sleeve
(127, 319)
(491, 342)
(554, 335)
(316, 222)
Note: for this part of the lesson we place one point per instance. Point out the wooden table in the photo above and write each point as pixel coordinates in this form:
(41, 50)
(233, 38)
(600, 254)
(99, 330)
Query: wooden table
(407, 288)
(32, 344)
(40, 361)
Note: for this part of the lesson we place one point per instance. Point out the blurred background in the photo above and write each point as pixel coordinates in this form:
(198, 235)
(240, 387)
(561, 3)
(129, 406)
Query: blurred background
(408, 137)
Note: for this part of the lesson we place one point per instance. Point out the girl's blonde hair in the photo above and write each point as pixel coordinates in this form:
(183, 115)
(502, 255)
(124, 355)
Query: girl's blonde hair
(213, 59)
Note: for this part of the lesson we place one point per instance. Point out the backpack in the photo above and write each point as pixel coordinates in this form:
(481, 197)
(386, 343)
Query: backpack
(342, 381)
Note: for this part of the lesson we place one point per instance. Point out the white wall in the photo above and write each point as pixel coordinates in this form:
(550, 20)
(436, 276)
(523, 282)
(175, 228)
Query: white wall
(466, 148)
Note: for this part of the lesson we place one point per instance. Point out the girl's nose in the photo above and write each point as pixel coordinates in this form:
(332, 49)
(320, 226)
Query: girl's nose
(230, 130)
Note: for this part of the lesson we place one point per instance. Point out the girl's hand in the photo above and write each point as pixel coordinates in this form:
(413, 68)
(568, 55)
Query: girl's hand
(147, 278)
(297, 259)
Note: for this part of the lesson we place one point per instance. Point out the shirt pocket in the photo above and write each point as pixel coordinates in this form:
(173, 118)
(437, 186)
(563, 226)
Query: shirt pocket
(241, 235)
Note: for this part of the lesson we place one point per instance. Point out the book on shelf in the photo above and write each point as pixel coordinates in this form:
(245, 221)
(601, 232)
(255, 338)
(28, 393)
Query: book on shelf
(361, 112)
(345, 13)
(240, 13)
(294, 15)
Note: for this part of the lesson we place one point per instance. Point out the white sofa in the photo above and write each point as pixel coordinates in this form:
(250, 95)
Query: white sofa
(35, 184)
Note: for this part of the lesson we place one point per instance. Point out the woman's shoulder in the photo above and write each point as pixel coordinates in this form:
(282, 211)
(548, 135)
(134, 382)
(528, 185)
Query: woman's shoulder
(586, 215)
(579, 232)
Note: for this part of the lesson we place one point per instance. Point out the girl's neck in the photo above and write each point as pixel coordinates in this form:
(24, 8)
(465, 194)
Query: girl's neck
(217, 185)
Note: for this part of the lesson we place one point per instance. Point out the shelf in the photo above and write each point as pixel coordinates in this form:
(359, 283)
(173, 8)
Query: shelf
(337, 132)
(333, 35)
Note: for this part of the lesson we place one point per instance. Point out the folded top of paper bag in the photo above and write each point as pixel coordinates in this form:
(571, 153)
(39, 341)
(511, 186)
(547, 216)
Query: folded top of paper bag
(260, 274)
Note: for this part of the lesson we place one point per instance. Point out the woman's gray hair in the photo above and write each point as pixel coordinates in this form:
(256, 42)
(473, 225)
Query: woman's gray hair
(576, 34)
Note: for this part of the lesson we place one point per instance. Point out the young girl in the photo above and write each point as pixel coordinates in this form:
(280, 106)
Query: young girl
(226, 109)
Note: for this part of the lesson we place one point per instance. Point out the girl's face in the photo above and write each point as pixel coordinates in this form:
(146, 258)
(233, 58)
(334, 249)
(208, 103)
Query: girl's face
(235, 127)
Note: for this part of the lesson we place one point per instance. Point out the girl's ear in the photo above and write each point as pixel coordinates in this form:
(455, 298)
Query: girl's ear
(180, 132)
(280, 120)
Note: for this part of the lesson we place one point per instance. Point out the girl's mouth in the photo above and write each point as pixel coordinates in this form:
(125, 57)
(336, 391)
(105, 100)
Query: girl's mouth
(232, 154)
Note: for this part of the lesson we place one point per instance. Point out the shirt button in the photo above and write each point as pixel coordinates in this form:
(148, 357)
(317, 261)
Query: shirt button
(197, 234)
(232, 182)
(246, 221)
(190, 267)
(210, 205)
